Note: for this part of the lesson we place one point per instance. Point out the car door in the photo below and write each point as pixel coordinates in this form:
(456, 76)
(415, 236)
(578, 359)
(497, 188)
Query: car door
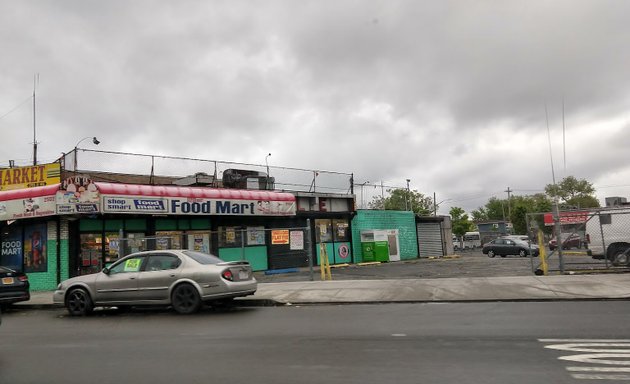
(120, 283)
(511, 248)
(159, 273)
(498, 246)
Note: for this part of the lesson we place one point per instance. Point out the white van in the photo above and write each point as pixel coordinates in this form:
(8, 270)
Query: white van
(615, 225)
(472, 240)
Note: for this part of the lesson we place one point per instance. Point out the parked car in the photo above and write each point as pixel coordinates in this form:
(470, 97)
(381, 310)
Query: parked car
(569, 240)
(181, 278)
(14, 286)
(503, 246)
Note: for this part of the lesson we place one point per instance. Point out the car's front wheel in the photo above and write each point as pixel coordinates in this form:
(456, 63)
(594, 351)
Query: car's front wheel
(522, 253)
(491, 253)
(185, 299)
(79, 302)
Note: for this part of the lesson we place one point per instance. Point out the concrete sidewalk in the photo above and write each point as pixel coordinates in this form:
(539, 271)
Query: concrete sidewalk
(520, 288)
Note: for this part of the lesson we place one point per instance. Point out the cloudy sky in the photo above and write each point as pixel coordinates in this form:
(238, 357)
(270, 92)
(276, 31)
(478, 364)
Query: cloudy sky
(448, 94)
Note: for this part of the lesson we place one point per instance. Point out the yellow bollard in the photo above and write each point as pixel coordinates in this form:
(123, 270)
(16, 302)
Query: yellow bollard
(542, 253)
(324, 263)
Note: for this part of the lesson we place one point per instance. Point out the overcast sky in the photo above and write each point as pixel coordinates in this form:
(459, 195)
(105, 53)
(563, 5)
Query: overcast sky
(448, 94)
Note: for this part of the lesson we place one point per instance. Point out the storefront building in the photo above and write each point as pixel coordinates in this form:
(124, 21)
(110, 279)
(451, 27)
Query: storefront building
(78, 226)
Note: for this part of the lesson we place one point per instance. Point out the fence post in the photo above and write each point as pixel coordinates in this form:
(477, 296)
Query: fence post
(601, 229)
(558, 229)
(242, 243)
(309, 248)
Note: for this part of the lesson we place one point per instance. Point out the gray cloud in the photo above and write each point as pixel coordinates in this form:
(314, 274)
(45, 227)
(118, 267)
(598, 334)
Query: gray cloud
(449, 94)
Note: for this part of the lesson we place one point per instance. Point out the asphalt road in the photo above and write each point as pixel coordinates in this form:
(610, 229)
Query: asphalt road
(394, 343)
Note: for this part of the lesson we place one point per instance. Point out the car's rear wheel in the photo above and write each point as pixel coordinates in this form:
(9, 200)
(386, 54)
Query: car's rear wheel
(79, 302)
(185, 299)
(491, 253)
(522, 253)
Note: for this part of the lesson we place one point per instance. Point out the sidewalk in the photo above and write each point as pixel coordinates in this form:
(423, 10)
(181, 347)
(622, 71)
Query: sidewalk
(519, 288)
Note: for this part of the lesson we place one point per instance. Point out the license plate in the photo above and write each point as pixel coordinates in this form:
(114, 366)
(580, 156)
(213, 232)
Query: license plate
(7, 280)
(243, 275)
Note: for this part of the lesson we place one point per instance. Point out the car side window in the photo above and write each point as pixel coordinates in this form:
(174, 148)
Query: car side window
(162, 262)
(509, 242)
(132, 264)
(499, 241)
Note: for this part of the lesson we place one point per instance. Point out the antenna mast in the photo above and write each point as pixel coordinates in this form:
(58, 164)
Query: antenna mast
(35, 81)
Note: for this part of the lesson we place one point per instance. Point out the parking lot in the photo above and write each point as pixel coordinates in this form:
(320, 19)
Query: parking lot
(469, 263)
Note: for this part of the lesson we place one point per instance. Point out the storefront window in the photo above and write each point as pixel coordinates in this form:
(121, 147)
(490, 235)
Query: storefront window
(168, 240)
(341, 229)
(323, 231)
(199, 241)
(255, 235)
(112, 247)
(135, 242)
(90, 254)
(230, 237)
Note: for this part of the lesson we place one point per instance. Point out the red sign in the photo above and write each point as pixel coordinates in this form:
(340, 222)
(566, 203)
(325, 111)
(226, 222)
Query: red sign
(568, 218)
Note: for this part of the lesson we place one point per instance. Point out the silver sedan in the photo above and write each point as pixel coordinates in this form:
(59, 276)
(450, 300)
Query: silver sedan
(181, 278)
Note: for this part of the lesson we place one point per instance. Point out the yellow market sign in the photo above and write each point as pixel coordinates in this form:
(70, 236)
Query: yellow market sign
(28, 177)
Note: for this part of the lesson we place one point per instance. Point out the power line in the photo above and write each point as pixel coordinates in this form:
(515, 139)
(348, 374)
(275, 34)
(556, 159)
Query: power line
(17, 107)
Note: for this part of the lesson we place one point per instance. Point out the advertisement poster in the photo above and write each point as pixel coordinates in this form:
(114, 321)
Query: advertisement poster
(199, 242)
(297, 240)
(26, 208)
(11, 255)
(255, 235)
(35, 256)
(280, 237)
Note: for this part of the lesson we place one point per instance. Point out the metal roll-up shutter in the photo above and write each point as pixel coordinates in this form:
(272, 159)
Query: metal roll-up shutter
(429, 240)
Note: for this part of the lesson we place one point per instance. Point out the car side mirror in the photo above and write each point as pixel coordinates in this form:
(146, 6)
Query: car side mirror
(106, 271)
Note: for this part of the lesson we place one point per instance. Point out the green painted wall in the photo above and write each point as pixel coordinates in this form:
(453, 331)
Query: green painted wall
(404, 221)
(257, 256)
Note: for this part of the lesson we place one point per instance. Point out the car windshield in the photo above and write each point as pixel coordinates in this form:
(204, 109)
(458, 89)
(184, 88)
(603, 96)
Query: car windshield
(202, 258)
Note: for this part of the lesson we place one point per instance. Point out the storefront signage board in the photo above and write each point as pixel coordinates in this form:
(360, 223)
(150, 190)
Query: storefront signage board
(28, 208)
(29, 177)
(195, 206)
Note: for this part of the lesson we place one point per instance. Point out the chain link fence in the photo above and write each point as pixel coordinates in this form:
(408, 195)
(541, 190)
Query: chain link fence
(157, 169)
(582, 241)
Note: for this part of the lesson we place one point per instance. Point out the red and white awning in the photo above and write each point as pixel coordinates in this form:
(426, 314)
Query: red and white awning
(177, 200)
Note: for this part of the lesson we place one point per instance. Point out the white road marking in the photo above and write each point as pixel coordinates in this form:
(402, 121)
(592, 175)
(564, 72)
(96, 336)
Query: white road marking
(608, 359)
(597, 369)
(581, 376)
(399, 334)
(597, 358)
(585, 347)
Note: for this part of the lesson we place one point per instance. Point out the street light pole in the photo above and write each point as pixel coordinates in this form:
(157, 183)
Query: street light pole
(408, 198)
(76, 147)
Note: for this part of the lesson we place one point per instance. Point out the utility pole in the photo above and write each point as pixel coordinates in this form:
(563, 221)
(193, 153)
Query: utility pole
(509, 191)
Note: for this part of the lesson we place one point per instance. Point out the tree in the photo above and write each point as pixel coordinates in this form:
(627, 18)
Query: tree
(573, 193)
(403, 200)
(460, 221)
(518, 207)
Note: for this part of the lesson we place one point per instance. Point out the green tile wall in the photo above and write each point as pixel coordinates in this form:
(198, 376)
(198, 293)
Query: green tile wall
(404, 221)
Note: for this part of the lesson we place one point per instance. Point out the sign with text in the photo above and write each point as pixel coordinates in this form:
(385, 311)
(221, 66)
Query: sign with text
(28, 208)
(78, 194)
(577, 217)
(195, 206)
(28, 177)
(280, 237)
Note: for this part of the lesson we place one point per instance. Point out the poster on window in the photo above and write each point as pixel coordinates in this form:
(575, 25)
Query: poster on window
(297, 240)
(35, 255)
(11, 255)
(255, 235)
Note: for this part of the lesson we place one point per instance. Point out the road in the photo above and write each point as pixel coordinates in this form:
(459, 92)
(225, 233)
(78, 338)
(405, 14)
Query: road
(392, 343)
